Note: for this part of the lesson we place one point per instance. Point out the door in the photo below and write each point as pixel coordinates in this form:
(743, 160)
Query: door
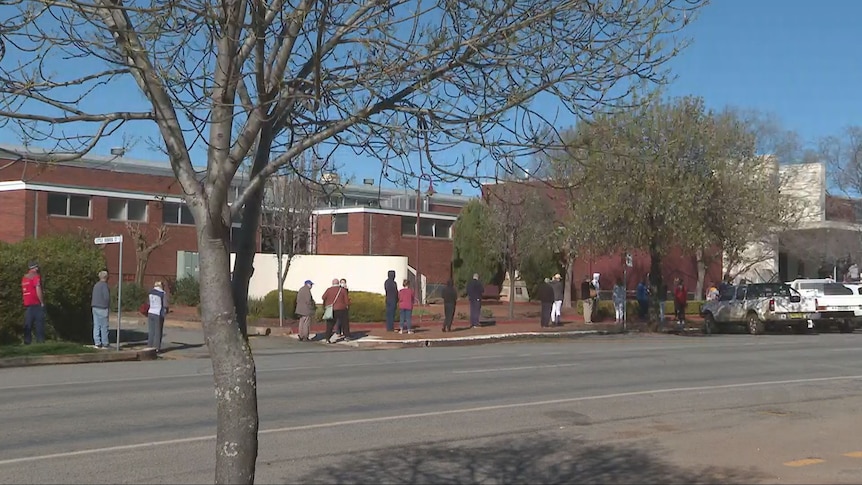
(737, 305)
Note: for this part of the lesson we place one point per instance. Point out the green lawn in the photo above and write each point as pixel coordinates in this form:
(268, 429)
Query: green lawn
(47, 348)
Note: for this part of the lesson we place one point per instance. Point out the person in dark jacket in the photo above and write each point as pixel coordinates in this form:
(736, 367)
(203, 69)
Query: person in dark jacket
(391, 289)
(587, 298)
(475, 290)
(545, 294)
(450, 296)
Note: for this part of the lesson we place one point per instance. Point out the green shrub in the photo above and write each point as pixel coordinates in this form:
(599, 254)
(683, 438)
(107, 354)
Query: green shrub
(367, 307)
(69, 266)
(606, 308)
(186, 291)
(255, 307)
(133, 297)
(269, 306)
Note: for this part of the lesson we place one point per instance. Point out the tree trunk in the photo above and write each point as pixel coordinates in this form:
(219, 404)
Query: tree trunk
(567, 284)
(140, 268)
(655, 282)
(243, 265)
(233, 365)
(701, 274)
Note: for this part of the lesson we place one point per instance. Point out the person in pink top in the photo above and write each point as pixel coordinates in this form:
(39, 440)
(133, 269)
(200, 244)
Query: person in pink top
(406, 298)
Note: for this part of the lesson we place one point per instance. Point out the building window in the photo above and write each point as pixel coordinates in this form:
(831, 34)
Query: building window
(127, 210)
(68, 205)
(176, 213)
(339, 223)
(408, 226)
(427, 227)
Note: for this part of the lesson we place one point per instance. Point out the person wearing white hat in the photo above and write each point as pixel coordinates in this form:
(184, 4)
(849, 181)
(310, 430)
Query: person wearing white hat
(557, 308)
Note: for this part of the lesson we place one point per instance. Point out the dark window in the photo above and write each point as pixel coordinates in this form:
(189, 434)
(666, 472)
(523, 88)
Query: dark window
(426, 227)
(443, 229)
(339, 223)
(127, 210)
(727, 293)
(69, 205)
(176, 213)
(767, 290)
(408, 226)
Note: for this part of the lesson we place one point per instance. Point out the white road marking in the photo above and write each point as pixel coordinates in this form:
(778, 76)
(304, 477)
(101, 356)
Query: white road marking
(503, 369)
(382, 419)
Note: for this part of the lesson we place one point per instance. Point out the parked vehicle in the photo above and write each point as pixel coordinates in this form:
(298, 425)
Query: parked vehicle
(758, 307)
(838, 305)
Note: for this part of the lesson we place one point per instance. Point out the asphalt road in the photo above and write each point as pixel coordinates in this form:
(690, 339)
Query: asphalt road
(624, 409)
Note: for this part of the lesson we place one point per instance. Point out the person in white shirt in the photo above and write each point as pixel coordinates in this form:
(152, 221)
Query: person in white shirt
(158, 308)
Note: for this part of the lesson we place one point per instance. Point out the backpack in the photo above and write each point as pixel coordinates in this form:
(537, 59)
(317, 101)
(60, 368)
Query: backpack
(144, 309)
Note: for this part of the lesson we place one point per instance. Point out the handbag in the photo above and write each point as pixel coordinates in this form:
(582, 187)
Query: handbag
(327, 310)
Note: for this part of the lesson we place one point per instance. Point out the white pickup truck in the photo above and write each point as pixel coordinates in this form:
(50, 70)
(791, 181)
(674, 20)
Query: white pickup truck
(836, 305)
(758, 306)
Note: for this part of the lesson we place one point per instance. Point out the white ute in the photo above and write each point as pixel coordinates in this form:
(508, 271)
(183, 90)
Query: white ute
(835, 304)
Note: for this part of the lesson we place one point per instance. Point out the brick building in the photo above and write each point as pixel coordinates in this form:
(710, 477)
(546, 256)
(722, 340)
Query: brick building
(370, 220)
(96, 196)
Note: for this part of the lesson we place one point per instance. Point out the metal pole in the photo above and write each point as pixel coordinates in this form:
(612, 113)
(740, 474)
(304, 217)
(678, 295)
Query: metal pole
(120, 296)
(418, 217)
(625, 293)
(278, 282)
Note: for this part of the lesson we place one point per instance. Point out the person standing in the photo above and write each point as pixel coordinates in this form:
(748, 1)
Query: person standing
(450, 297)
(475, 290)
(642, 296)
(156, 316)
(588, 292)
(557, 307)
(661, 297)
(390, 288)
(34, 304)
(711, 292)
(545, 295)
(680, 301)
(406, 299)
(344, 321)
(305, 307)
(336, 298)
(101, 302)
(619, 295)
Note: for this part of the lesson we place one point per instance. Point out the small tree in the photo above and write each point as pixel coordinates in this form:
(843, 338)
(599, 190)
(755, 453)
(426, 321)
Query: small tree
(144, 248)
(289, 203)
(471, 250)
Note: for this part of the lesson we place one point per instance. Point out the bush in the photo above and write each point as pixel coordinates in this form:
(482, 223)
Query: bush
(133, 297)
(186, 291)
(269, 306)
(255, 307)
(69, 267)
(606, 308)
(367, 307)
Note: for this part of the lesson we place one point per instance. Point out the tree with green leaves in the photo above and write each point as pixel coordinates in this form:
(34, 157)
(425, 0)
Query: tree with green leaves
(265, 81)
(670, 174)
(471, 251)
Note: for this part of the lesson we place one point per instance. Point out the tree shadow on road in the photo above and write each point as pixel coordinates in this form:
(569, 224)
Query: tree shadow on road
(525, 459)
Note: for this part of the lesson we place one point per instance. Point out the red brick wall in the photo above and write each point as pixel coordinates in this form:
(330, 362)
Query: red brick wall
(13, 206)
(445, 209)
(89, 177)
(435, 255)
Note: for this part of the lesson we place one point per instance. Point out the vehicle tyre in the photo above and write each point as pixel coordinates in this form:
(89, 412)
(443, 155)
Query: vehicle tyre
(708, 324)
(755, 324)
(847, 326)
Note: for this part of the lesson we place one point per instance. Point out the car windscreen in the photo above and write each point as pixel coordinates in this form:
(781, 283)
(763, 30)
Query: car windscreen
(767, 291)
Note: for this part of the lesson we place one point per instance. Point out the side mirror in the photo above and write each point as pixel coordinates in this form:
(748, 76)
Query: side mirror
(795, 298)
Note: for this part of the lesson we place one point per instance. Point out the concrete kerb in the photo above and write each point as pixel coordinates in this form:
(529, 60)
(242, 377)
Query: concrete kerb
(89, 358)
(377, 342)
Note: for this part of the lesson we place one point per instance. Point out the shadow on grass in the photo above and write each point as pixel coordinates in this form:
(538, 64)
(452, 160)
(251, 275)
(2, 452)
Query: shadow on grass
(46, 348)
(531, 459)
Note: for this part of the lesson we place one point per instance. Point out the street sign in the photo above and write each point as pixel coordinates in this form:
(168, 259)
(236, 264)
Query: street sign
(629, 261)
(108, 240)
(114, 240)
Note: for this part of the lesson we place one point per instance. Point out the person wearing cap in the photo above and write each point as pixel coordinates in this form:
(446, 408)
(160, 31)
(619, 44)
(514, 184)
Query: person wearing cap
(557, 308)
(34, 304)
(100, 303)
(158, 301)
(336, 297)
(305, 307)
(475, 291)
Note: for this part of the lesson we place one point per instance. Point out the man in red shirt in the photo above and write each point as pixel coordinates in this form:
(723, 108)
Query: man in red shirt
(335, 296)
(34, 304)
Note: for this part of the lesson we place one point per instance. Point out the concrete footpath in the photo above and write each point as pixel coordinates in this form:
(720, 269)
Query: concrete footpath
(184, 339)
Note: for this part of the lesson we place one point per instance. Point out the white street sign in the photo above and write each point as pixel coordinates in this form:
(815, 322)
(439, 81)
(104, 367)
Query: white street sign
(108, 240)
(629, 262)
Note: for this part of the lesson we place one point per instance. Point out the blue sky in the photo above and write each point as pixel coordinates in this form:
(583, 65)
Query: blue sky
(794, 59)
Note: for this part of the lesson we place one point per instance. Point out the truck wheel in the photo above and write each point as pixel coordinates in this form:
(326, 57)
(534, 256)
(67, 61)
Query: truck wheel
(847, 326)
(708, 324)
(755, 324)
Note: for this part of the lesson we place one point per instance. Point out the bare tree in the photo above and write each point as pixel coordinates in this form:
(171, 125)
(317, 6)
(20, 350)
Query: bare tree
(144, 248)
(288, 205)
(267, 81)
(519, 224)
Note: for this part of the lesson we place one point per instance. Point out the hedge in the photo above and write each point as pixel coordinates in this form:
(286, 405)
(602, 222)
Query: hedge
(70, 267)
(364, 306)
(133, 297)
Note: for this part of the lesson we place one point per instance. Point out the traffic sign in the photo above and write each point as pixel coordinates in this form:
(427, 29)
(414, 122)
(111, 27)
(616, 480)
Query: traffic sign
(629, 261)
(108, 240)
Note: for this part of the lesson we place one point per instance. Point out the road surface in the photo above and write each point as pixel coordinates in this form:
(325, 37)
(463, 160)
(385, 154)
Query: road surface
(620, 409)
